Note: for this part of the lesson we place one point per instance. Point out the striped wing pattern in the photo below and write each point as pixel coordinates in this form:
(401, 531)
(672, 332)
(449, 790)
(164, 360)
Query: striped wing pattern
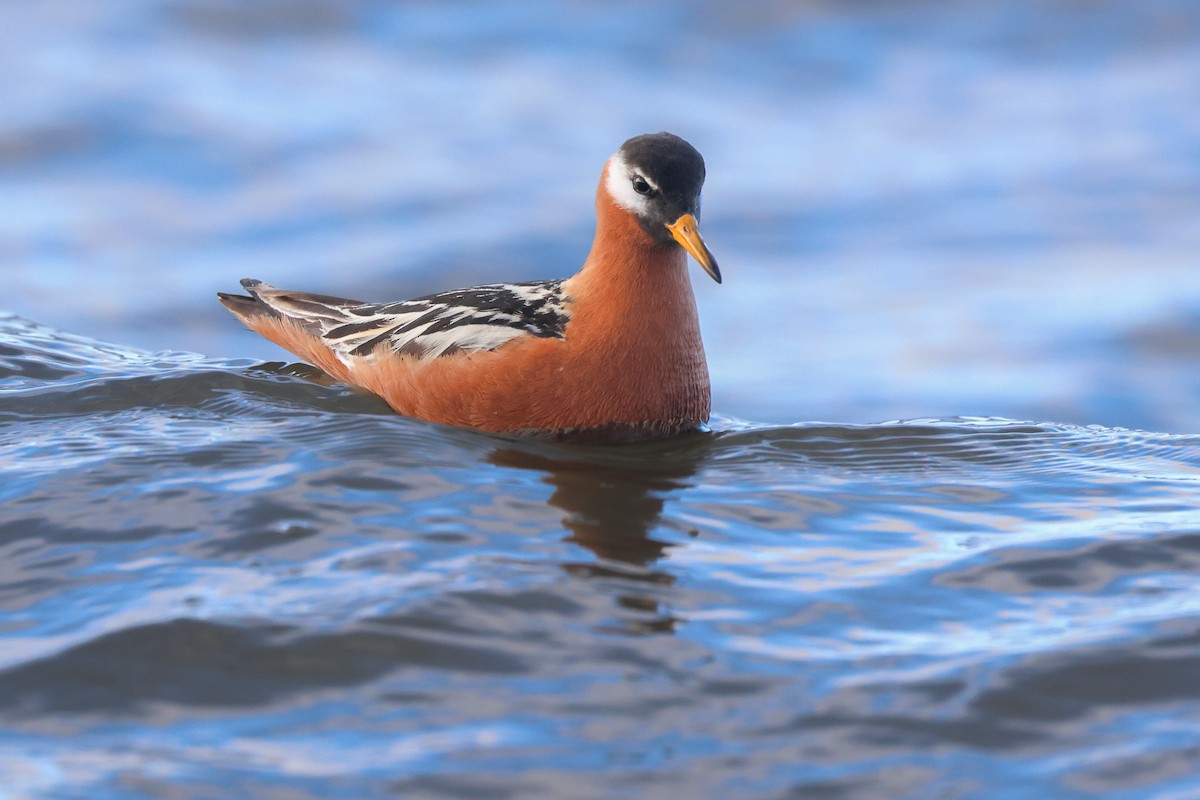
(461, 320)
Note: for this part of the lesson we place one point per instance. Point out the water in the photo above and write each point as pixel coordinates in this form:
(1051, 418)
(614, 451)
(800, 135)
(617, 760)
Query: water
(222, 577)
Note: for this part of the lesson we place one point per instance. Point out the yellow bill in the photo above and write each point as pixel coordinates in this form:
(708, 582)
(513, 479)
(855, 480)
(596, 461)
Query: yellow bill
(687, 233)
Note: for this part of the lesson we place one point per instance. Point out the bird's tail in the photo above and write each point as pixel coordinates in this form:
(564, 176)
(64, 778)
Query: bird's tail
(263, 315)
(245, 307)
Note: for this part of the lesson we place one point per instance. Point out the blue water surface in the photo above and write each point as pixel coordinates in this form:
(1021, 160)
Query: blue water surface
(220, 578)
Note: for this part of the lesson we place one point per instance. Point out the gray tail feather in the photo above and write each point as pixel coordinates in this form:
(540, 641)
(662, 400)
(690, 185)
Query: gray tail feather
(245, 306)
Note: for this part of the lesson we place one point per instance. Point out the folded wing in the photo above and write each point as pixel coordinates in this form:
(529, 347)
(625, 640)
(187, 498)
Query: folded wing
(462, 320)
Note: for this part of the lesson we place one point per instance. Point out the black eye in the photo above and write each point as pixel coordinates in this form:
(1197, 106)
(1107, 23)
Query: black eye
(641, 186)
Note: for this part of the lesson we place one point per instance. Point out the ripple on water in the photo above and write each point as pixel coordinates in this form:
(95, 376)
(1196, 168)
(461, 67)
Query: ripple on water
(202, 557)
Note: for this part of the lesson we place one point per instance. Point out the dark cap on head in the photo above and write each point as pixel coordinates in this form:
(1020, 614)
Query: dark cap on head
(673, 164)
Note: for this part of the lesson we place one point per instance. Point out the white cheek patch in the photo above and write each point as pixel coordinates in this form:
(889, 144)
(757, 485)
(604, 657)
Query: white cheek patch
(619, 185)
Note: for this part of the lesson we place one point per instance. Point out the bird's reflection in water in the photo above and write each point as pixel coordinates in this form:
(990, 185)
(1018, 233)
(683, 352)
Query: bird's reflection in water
(613, 500)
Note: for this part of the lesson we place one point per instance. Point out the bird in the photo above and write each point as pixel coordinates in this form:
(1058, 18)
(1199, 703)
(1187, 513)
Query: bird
(611, 354)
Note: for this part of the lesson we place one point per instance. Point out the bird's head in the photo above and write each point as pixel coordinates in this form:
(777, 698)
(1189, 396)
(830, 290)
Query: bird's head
(657, 177)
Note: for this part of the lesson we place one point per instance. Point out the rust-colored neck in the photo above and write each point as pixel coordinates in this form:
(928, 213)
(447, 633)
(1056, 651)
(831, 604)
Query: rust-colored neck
(643, 281)
(634, 315)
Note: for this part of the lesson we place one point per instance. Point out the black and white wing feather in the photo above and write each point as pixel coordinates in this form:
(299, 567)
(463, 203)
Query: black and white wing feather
(462, 320)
